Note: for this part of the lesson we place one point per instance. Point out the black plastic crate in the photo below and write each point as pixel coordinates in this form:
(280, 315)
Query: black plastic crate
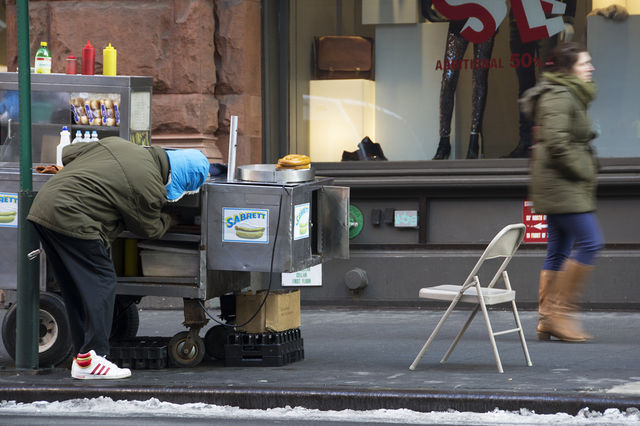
(140, 353)
(264, 349)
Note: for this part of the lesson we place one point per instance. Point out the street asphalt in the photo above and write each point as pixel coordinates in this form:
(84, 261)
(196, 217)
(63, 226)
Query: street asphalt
(359, 359)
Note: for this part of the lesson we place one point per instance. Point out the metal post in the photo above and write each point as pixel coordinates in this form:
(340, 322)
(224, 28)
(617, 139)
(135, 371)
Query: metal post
(27, 319)
(233, 148)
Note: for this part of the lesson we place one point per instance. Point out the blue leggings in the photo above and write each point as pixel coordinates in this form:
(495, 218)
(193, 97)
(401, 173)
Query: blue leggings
(568, 230)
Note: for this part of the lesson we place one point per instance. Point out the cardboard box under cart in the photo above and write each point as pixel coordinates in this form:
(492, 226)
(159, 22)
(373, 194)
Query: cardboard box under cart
(272, 338)
(281, 311)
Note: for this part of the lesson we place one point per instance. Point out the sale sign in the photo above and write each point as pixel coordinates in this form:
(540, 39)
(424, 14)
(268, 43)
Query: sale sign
(483, 17)
(536, 224)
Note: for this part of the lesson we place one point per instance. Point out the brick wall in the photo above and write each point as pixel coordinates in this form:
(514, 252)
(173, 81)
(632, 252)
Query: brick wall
(203, 55)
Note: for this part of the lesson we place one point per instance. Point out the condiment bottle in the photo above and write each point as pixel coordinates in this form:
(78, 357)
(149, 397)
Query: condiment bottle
(71, 65)
(88, 59)
(43, 59)
(109, 57)
(65, 139)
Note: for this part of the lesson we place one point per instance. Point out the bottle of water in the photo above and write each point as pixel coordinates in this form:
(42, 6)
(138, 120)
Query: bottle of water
(94, 136)
(43, 59)
(78, 137)
(87, 136)
(65, 139)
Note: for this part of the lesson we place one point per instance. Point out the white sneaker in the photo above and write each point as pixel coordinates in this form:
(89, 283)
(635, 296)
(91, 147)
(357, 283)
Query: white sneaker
(92, 366)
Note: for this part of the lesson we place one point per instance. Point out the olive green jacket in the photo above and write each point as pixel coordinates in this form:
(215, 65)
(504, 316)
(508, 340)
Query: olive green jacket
(105, 187)
(564, 165)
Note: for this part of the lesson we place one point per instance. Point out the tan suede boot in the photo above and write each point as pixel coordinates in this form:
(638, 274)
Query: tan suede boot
(547, 279)
(576, 281)
(562, 297)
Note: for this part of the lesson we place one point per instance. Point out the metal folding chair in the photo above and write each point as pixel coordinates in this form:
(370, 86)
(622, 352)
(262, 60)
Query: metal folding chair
(504, 245)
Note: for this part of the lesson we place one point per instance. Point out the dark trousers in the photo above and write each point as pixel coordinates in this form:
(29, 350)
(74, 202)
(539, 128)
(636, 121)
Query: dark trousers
(87, 279)
(577, 231)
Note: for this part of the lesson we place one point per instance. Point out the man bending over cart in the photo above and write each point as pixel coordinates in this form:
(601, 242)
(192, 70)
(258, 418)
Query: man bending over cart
(104, 188)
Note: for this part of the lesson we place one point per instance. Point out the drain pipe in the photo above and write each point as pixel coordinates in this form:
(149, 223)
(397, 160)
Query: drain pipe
(28, 294)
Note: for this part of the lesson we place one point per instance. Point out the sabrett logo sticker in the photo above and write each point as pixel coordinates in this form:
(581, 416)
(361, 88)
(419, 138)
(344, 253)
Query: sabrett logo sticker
(245, 225)
(8, 210)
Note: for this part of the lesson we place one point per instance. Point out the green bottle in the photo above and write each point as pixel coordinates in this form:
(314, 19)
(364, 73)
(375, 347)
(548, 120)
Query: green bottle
(43, 59)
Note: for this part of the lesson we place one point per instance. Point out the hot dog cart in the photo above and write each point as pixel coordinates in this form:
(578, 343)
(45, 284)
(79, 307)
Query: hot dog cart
(266, 220)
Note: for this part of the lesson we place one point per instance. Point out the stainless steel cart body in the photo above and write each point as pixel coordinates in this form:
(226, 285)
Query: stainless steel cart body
(312, 228)
(298, 225)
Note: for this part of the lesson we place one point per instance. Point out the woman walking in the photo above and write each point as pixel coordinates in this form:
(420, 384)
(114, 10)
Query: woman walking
(563, 186)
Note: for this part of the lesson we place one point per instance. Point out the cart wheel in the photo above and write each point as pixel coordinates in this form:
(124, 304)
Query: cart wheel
(215, 340)
(183, 356)
(54, 341)
(125, 320)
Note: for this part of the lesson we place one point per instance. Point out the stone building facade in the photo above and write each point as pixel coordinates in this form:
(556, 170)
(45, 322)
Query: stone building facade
(204, 57)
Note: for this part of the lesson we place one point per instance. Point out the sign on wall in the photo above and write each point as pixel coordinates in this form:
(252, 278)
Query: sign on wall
(536, 224)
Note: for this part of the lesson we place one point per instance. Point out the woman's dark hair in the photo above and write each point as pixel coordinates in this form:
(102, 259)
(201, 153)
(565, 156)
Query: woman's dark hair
(564, 57)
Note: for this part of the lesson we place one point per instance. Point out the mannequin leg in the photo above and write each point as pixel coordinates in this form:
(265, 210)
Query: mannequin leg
(479, 97)
(454, 51)
(526, 79)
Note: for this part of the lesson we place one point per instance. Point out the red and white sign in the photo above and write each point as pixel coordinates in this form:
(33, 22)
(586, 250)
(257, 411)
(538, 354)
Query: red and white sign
(483, 17)
(536, 224)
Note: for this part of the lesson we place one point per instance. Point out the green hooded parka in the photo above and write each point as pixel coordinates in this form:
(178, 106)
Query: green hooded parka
(564, 165)
(105, 187)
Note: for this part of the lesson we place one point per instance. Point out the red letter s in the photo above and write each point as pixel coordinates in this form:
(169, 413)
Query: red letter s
(483, 16)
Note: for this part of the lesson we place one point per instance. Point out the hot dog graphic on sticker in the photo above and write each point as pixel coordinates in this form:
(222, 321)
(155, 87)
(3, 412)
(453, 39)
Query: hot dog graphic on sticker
(7, 217)
(8, 209)
(242, 225)
(249, 232)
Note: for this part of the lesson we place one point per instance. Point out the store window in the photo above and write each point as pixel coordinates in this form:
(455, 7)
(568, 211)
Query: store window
(397, 102)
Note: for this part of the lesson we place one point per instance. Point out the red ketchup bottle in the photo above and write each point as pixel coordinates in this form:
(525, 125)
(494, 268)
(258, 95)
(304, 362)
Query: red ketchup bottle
(88, 59)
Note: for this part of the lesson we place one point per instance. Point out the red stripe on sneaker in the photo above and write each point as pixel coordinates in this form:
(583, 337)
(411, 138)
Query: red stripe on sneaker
(97, 367)
(107, 370)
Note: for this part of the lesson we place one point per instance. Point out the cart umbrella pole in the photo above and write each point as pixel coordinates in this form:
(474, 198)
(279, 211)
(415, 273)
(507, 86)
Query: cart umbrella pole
(28, 306)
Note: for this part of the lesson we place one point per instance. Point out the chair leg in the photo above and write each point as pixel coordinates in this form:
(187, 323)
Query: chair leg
(459, 336)
(521, 333)
(434, 333)
(516, 316)
(490, 330)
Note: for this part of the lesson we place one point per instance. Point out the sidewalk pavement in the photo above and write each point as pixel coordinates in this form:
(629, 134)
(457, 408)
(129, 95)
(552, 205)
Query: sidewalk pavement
(359, 359)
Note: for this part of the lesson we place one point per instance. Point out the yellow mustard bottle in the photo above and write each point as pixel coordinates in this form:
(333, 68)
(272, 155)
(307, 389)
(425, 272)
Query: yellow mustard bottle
(109, 55)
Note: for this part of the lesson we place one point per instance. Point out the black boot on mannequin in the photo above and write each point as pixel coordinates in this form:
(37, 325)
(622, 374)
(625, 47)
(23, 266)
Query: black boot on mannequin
(522, 149)
(474, 146)
(444, 149)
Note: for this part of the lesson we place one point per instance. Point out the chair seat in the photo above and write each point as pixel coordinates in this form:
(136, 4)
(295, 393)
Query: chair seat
(447, 292)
